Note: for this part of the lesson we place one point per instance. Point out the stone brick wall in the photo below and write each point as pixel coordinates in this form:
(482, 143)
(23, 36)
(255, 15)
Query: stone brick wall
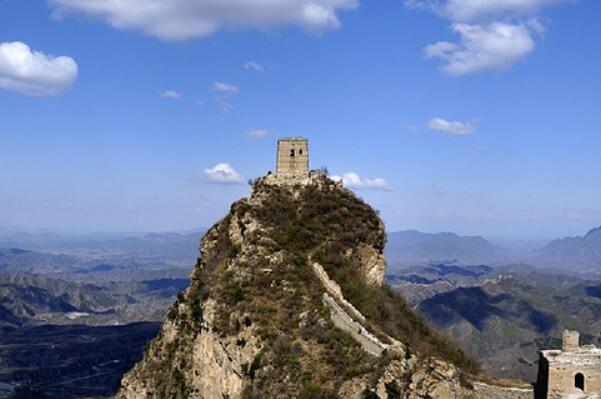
(345, 322)
(293, 157)
(559, 370)
(571, 340)
(487, 391)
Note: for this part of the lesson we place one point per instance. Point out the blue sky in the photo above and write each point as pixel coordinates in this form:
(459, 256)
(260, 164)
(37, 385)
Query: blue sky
(482, 117)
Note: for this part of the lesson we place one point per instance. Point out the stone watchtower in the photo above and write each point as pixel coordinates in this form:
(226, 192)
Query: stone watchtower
(293, 157)
(574, 370)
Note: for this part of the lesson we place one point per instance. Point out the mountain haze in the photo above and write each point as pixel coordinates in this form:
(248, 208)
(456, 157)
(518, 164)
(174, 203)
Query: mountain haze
(504, 315)
(16, 260)
(582, 253)
(176, 246)
(411, 247)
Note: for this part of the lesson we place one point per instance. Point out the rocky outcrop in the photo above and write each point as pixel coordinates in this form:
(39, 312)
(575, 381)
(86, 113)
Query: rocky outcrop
(212, 365)
(414, 378)
(286, 302)
(373, 264)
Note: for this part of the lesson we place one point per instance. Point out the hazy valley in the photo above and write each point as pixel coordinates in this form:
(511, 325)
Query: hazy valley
(77, 311)
(105, 296)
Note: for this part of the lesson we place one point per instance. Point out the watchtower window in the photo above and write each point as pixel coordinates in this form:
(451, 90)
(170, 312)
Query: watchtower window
(292, 152)
(300, 151)
(579, 381)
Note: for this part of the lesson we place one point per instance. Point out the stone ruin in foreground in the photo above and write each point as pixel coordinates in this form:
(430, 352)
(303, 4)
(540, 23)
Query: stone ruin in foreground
(573, 372)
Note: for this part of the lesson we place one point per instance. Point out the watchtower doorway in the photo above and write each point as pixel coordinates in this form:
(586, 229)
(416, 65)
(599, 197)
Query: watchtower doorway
(579, 381)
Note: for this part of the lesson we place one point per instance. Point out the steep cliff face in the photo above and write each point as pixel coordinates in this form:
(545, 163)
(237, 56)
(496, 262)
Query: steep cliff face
(286, 302)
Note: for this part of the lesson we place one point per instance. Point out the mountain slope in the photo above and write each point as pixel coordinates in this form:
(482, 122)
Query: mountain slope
(286, 302)
(27, 299)
(572, 253)
(407, 248)
(15, 260)
(159, 249)
(32, 300)
(505, 321)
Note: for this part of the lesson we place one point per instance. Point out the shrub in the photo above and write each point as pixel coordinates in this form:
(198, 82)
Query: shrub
(319, 224)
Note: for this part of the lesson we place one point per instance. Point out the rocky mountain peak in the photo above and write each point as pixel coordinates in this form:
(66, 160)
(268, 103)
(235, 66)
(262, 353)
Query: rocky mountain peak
(287, 301)
(594, 233)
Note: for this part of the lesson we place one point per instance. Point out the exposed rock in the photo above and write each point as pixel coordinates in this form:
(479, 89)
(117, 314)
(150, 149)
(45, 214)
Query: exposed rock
(286, 302)
(372, 262)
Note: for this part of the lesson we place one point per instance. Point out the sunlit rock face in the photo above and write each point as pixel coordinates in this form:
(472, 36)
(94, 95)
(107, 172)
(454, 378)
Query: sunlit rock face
(287, 301)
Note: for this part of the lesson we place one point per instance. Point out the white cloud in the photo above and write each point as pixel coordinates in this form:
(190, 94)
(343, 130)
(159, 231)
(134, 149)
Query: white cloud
(477, 10)
(451, 127)
(584, 214)
(481, 10)
(253, 66)
(226, 90)
(494, 35)
(439, 49)
(223, 173)
(225, 87)
(258, 134)
(494, 46)
(224, 105)
(187, 19)
(353, 180)
(34, 73)
(171, 94)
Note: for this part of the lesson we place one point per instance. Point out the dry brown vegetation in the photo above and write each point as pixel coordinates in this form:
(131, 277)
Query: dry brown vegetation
(283, 302)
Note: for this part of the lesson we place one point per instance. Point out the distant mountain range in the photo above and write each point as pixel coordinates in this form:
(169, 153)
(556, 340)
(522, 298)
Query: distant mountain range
(26, 252)
(403, 249)
(26, 299)
(408, 248)
(172, 245)
(15, 260)
(411, 247)
(581, 253)
(504, 315)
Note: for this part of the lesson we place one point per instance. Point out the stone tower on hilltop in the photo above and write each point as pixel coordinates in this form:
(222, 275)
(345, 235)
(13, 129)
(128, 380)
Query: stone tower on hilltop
(573, 372)
(293, 157)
